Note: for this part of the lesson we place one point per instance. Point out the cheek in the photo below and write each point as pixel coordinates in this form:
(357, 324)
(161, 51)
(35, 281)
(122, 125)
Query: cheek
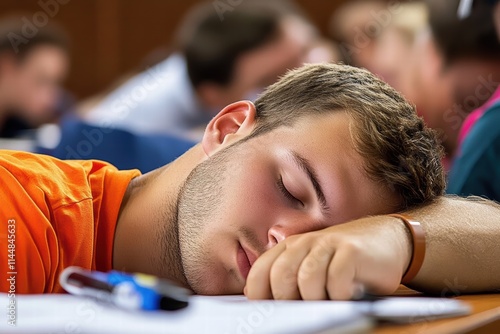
(256, 199)
(248, 207)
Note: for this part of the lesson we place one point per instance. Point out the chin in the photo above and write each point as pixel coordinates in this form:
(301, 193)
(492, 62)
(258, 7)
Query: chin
(212, 285)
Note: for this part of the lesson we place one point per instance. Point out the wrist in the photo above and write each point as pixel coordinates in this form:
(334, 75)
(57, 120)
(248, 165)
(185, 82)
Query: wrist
(405, 245)
(413, 247)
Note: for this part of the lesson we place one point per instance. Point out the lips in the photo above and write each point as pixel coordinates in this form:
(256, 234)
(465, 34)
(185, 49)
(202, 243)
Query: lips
(250, 256)
(243, 262)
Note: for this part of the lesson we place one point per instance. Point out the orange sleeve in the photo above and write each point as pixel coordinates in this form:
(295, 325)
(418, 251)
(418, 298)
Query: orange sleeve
(49, 221)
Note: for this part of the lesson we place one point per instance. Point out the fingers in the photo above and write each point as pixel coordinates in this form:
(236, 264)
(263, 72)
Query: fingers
(285, 270)
(258, 284)
(341, 284)
(313, 272)
(274, 274)
(307, 268)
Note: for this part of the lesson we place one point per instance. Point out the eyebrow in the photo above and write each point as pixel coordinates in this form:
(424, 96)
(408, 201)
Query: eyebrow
(307, 167)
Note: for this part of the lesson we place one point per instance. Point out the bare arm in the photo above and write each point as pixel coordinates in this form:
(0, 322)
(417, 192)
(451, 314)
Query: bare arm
(462, 255)
(462, 246)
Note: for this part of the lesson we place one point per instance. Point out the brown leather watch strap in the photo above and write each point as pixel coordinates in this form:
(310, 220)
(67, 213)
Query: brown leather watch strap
(418, 239)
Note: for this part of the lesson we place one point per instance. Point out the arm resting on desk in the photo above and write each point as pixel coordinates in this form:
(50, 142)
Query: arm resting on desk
(462, 246)
(462, 255)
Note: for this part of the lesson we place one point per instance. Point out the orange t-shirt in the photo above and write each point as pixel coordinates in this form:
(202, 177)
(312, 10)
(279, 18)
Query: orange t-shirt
(55, 214)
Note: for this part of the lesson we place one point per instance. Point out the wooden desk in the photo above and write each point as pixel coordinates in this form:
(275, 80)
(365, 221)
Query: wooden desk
(485, 318)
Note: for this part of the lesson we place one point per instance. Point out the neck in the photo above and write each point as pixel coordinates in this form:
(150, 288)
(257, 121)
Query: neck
(146, 239)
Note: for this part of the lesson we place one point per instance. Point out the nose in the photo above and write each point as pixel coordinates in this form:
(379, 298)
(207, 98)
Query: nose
(275, 235)
(283, 229)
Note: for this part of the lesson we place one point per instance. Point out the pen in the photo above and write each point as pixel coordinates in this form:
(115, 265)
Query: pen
(128, 291)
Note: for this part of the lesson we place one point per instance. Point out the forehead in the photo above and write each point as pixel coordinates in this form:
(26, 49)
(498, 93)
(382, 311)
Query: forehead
(326, 141)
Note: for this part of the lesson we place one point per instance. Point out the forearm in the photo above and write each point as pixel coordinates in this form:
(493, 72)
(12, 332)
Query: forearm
(462, 255)
(462, 246)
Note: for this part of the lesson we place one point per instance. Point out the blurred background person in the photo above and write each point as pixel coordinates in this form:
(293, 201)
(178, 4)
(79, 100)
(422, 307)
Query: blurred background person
(476, 168)
(379, 36)
(394, 53)
(455, 68)
(323, 50)
(32, 69)
(356, 26)
(219, 61)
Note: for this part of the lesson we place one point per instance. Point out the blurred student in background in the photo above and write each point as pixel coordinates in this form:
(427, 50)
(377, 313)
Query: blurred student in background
(476, 169)
(457, 69)
(221, 60)
(394, 53)
(356, 25)
(379, 36)
(33, 64)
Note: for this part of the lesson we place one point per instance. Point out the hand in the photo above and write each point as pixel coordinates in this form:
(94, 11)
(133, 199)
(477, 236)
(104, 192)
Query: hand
(335, 262)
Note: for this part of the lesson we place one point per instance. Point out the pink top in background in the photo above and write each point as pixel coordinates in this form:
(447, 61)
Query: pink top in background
(475, 116)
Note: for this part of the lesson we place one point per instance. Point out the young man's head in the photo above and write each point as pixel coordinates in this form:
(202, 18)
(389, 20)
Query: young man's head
(31, 69)
(233, 54)
(325, 145)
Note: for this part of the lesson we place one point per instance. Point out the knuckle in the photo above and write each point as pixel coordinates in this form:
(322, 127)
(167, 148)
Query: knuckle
(281, 274)
(308, 268)
(352, 247)
(293, 241)
(321, 253)
(306, 284)
(328, 239)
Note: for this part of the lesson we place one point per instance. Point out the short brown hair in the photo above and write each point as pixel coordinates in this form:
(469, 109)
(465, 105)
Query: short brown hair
(400, 151)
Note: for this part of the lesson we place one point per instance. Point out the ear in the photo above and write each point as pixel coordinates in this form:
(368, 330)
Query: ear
(233, 123)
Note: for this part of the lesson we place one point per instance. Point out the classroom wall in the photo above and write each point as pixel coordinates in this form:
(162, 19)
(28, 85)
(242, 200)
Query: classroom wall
(112, 37)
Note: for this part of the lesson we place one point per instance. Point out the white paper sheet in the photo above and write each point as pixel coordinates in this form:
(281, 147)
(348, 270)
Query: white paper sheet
(229, 314)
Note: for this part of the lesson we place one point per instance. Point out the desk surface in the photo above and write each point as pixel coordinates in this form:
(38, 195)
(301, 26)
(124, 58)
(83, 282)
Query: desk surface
(485, 315)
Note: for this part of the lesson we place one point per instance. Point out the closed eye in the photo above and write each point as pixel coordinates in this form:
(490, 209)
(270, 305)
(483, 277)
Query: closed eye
(286, 193)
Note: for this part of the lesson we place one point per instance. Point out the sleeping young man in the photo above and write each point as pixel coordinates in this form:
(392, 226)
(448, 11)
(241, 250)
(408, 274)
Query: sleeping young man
(288, 198)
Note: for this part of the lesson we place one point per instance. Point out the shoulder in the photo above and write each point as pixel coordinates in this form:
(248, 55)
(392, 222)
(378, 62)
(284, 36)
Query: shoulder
(50, 180)
(48, 174)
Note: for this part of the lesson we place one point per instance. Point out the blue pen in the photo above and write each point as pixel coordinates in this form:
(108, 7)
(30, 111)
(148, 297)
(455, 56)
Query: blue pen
(129, 291)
